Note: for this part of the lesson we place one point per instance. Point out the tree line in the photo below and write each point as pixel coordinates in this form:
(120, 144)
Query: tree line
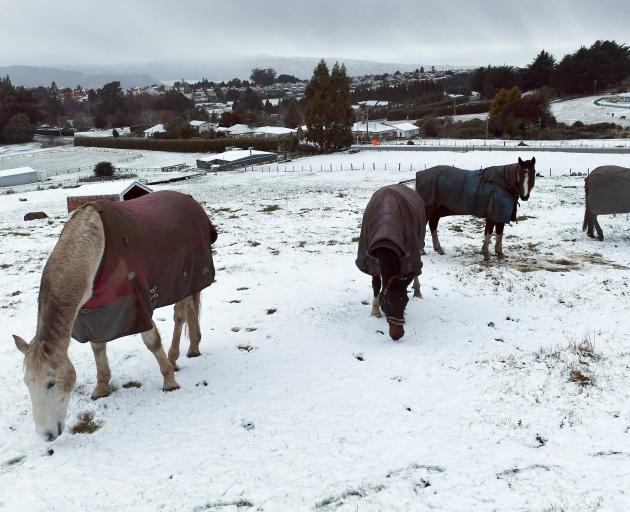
(602, 66)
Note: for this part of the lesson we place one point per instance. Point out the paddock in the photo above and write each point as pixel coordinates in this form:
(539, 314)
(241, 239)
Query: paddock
(509, 390)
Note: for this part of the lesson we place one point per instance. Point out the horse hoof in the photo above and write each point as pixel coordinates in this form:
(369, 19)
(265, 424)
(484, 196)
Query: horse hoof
(440, 251)
(193, 353)
(501, 256)
(486, 256)
(417, 295)
(175, 367)
(100, 393)
(600, 238)
(170, 387)
(423, 252)
(376, 314)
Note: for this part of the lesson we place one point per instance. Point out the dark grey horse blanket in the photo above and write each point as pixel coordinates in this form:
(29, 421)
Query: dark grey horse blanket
(394, 219)
(157, 252)
(608, 190)
(490, 193)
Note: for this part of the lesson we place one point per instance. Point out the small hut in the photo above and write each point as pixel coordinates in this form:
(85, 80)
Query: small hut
(20, 176)
(122, 190)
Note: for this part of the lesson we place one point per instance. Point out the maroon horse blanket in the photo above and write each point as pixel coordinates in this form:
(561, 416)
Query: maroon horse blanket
(157, 252)
(395, 219)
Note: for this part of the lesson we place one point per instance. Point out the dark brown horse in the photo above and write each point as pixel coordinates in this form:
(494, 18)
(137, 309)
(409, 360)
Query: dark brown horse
(607, 191)
(391, 241)
(491, 193)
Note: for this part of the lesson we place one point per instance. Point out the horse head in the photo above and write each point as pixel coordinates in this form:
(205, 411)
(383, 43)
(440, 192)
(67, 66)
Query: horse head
(526, 176)
(393, 297)
(393, 301)
(50, 378)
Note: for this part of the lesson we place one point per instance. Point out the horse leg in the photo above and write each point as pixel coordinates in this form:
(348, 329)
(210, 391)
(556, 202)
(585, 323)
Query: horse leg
(154, 343)
(498, 247)
(486, 239)
(376, 305)
(193, 307)
(416, 288)
(179, 317)
(103, 373)
(433, 225)
(598, 228)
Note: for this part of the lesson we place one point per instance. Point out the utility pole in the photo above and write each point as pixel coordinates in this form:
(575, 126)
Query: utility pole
(454, 106)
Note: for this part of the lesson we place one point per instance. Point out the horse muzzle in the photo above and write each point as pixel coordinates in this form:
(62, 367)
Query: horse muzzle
(396, 328)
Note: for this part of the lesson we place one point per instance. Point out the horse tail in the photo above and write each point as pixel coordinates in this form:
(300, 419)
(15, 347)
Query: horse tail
(587, 214)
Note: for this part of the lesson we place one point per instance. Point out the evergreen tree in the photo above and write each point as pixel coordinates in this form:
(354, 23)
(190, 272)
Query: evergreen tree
(18, 129)
(317, 112)
(341, 111)
(328, 112)
(540, 72)
(292, 114)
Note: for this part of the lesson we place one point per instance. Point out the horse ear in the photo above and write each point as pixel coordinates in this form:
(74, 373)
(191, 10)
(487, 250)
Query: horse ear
(21, 345)
(533, 160)
(213, 235)
(520, 161)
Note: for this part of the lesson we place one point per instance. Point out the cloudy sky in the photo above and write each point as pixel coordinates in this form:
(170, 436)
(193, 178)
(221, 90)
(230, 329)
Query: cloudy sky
(127, 32)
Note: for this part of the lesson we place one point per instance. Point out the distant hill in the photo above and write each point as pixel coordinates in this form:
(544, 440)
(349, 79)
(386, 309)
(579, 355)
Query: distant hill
(33, 76)
(218, 69)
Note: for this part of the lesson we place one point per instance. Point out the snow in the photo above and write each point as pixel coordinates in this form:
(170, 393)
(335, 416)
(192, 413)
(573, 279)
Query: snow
(158, 128)
(472, 410)
(275, 130)
(235, 155)
(117, 187)
(372, 127)
(405, 126)
(586, 111)
(17, 171)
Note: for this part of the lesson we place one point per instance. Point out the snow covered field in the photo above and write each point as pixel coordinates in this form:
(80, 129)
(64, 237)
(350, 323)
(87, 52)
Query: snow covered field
(300, 402)
(586, 111)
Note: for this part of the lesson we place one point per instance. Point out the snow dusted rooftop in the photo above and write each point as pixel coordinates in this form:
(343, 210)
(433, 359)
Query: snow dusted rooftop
(235, 155)
(16, 171)
(158, 128)
(405, 126)
(116, 187)
(372, 127)
(275, 130)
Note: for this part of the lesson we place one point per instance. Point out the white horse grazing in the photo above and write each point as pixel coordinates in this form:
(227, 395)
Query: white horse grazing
(113, 264)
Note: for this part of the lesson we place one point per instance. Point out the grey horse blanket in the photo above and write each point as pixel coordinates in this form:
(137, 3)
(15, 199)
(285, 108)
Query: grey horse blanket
(608, 190)
(490, 193)
(394, 218)
(157, 252)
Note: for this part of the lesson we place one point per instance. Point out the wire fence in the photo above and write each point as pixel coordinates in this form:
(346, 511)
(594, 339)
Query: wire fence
(609, 147)
(407, 167)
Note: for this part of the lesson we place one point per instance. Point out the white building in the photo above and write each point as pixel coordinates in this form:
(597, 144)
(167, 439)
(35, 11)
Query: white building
(625, 97)
(405, 130)
(240, 130)
(20, 176)
(373, 130)
(201, 126)
(150, 132)
(271, 132)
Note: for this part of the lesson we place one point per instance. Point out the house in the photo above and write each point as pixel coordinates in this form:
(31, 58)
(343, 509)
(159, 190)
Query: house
(625, 97)
(240, 130)
(119, 190)
(274, 132)
(150, 132)
(20, 176)
(405, 130)
(234, 158)
(373, 130)
(201, 126)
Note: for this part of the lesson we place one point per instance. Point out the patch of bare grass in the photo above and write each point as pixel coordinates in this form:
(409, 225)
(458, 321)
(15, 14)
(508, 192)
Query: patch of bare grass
(86, 424)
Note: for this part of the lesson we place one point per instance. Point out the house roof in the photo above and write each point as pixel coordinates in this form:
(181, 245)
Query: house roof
(16, 171)
(275, 130)
(197, 123)
(116, 187)
(158, 128)
(236, 155)
(372, 127)
(405, 126)
(240, 128)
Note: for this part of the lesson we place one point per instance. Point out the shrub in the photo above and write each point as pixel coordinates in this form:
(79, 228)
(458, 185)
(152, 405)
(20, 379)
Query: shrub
(103, 169)
(18, 129)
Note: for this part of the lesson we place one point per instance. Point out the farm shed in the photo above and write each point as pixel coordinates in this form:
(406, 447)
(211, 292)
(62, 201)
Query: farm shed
(272, 132)
(20, 176)
(405, 130)
(150, 132)
(372, 130)
(234, 159)
(123, 190)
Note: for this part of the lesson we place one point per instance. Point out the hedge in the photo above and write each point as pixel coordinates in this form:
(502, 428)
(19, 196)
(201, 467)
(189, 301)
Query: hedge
(181, 145)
